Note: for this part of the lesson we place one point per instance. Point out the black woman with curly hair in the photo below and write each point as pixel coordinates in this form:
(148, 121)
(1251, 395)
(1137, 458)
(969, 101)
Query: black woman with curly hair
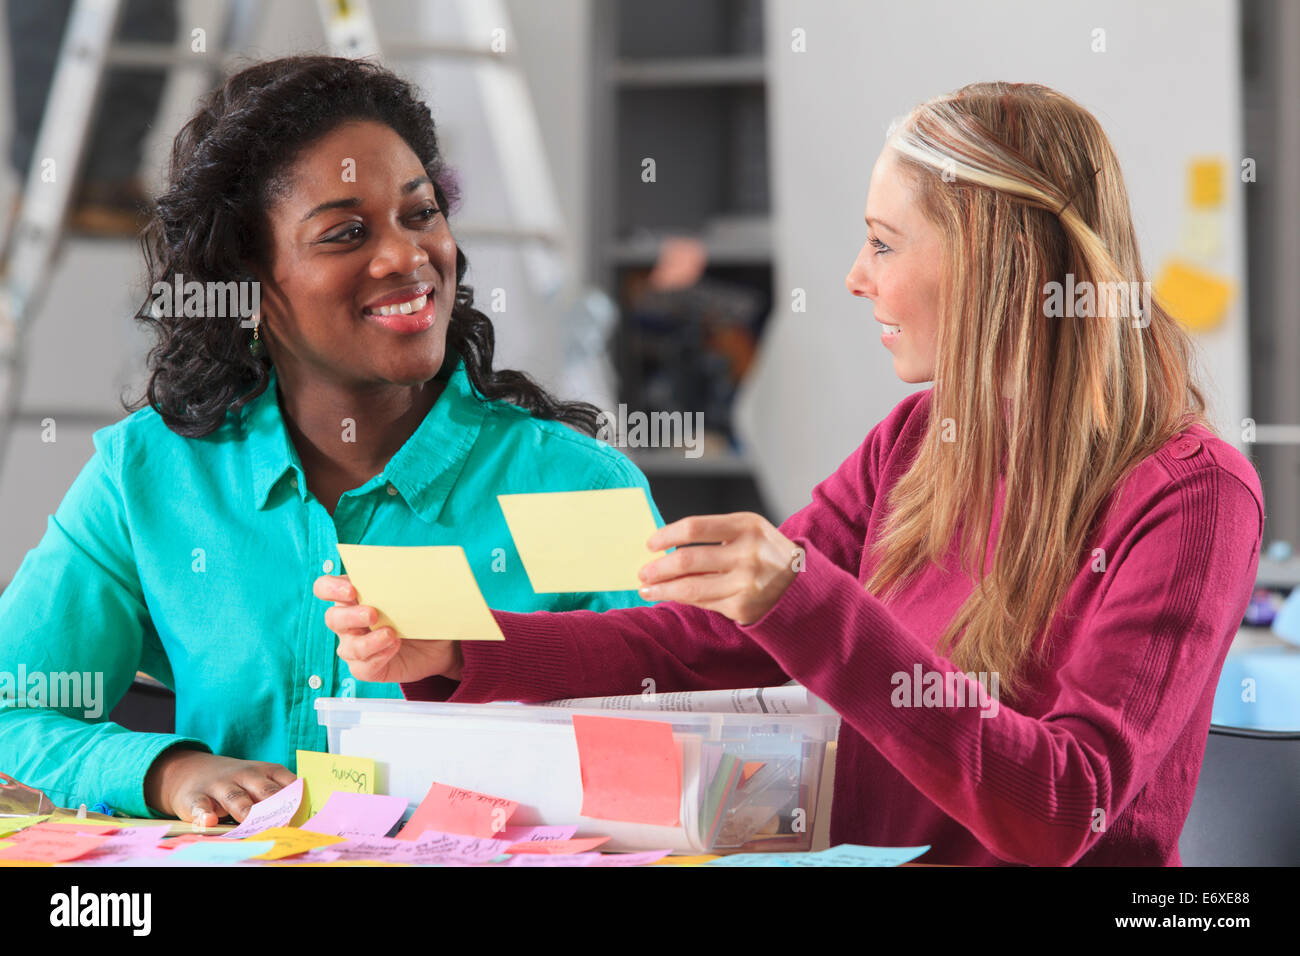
(358, 405)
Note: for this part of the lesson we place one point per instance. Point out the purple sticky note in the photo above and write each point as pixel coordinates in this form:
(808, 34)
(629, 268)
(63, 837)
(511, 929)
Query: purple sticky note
(275, 811)
(631, 859)
(554, 859)
(533, 834)
(357, 814)
(129, 843)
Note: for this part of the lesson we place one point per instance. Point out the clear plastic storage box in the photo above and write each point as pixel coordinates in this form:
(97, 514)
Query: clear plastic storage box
(749, 781)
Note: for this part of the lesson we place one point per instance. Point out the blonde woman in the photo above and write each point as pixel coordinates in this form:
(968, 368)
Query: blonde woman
(1019, 591)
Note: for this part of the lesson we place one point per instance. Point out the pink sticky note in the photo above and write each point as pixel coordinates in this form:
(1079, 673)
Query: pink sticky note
(91, 829)
(49, 847)
(631, 859)
(451, 849)
(454, 810)
(348, 814)
(558, 846)
(129, 843)
(275, 811)
(528, 834)
(557, 859)
(631, 769)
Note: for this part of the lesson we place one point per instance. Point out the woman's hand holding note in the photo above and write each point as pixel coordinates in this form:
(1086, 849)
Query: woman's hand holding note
(380, 655)
(202, 788)
(740, 570)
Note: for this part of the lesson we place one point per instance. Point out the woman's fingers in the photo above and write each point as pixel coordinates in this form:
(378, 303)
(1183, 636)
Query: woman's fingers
(369, 646)
(703, 559)
(334, 587)
(202, 811)
(350, 618)
(701, 590)
(698, 529)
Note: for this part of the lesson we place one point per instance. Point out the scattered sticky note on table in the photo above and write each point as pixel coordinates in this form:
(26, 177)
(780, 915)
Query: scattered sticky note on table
(631, 769)
(223, 852)
(275, 811)
(527, 834)
(290, 841)
(455, 810)
(581, 845)
(357, 814)
(50, 846)
(322, 774)
(1196, 298)
(423, 593)
(845, 854)
(581, 540)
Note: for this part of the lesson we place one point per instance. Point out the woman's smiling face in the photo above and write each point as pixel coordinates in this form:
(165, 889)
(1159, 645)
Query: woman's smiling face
(899, 270)
(358, 229)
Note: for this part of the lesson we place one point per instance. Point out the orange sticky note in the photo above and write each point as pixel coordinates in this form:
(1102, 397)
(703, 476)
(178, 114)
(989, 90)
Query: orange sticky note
(631, 769)
(48, 846)
(580, 845)
(455, 810)
(750, 768)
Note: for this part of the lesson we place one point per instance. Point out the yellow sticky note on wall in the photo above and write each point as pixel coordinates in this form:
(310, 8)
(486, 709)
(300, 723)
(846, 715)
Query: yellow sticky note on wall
(423, 593)
(582, 540)
(322, 774)
(1205, 183)
(1197, 298)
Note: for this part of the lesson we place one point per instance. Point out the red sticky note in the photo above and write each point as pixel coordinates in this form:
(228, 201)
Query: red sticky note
(49, 847)
(631, 770)
(580, 845)
(455, 810)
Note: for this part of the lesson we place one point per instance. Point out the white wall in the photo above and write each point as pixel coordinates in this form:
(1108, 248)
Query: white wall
(1166, 89)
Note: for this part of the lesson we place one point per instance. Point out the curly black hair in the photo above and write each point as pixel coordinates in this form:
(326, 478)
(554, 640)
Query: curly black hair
(227, 163)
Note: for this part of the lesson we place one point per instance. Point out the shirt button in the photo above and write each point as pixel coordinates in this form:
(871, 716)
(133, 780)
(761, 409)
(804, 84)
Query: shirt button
(1186, 448)
(392, 490)
(328, 566)
(313, 682)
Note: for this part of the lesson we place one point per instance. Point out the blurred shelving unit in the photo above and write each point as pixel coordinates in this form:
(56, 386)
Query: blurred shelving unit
(684, 83)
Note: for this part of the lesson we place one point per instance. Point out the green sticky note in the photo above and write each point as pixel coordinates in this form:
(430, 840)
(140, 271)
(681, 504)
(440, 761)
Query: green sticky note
(322, 774)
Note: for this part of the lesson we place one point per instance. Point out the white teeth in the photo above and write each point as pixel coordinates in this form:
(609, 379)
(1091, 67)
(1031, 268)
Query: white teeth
(403, 308)
(892, 330)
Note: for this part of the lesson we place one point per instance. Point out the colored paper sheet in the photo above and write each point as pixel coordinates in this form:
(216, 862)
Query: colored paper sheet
(447, 849)
(455, 810)
(50, 846)
(357, 814)
(423, 593)
(14, 824)
(1205, 183)
(557, 846)
(687, 860)
(1197, 298)
(290, 841)
(526, 834)
(643, 858)
(187, 838)
(91, 829)
(845, 854)
(212, 852)
(128, 843)
(277, 810)
(547, 859)
(631, 770)
(323, 774)
(582, 540)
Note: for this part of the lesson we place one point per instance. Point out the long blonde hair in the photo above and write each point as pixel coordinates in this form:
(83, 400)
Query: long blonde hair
(1025, 187)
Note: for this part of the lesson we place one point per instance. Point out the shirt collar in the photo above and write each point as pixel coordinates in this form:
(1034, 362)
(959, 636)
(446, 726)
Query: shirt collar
(423, 471)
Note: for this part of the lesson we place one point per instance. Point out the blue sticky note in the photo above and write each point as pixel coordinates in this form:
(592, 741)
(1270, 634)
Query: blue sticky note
(219, 852)
(845, 854)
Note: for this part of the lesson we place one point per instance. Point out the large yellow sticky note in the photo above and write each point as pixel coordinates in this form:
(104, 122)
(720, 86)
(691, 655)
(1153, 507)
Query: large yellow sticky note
(290, 841)
(1197, 298)
(582, 540)
(322, 774)
(424, 593)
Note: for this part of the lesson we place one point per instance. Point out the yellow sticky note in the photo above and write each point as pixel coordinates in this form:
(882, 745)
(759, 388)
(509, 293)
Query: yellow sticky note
(290, 841)
(1205, 183)
(322, 774)
(685, 860)
(423, 593)
(1197, 298)
(14, 824)
(582, 540)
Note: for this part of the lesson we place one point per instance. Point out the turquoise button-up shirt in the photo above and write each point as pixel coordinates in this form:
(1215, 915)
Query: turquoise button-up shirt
(192, 559)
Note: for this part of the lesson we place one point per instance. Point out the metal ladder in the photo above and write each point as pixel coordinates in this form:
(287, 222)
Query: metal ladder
(88, 51)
